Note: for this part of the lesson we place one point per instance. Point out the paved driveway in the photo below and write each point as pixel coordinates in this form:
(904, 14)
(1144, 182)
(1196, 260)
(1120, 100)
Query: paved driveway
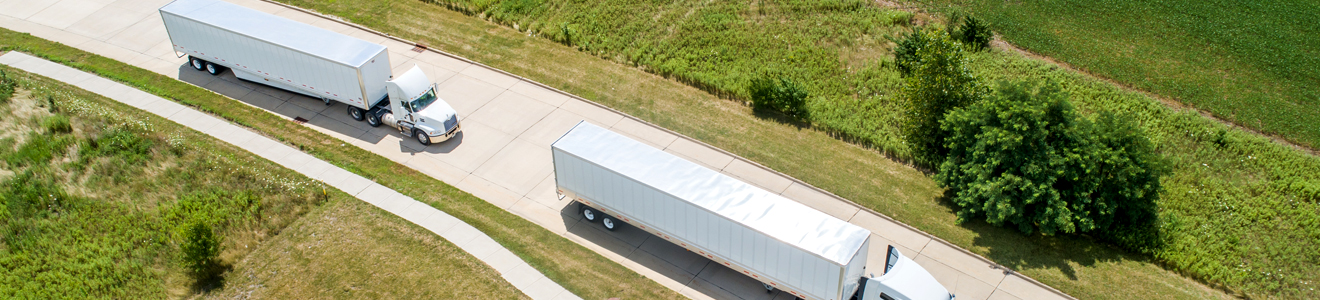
(503, 154)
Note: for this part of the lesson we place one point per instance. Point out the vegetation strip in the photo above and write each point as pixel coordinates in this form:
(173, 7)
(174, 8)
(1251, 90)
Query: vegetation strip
(1217, 174)
(578, 269)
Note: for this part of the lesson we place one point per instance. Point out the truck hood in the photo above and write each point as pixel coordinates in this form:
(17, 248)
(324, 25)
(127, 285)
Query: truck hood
(909, 281)
(435, 115)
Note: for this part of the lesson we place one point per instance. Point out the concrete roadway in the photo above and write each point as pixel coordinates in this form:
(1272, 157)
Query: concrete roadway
(503, 154)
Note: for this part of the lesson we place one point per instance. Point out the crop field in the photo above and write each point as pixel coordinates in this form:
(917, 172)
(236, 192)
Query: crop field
(1255, 63)
(1239, 211)
(576, 268)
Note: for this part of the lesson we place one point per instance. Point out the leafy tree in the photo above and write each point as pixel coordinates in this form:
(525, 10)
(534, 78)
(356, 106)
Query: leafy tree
(975, 34)
(938, 82)
(1024, 157)
(780, 94)
(1130, 171)
(201, 247)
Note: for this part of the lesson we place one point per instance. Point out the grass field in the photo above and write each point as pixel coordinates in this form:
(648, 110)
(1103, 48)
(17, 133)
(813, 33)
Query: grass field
(1240, 211)
(84, 221)
(351, 249)
(1255, 63)
(93, 210)
(576, 268)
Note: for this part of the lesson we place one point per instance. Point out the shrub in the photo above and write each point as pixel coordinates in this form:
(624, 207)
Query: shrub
(974, 33)
(119, 142)
(57, 124)
(6, 87)
(938, 82)
(201, 247)
(1024, 157)
(780, 94)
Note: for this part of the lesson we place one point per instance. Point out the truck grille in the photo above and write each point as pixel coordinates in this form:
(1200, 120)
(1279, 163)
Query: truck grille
(451, 122)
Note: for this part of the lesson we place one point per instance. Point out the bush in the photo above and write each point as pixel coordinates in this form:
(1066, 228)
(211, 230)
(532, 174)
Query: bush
(938, 82)
(57, 124)
(201, 248)
(780, 94)
(974, 33)
(1024, 157)
(119, 142)
(6, 87)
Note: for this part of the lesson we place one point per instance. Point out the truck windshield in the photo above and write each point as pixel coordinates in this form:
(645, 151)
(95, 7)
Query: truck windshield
(422, 102)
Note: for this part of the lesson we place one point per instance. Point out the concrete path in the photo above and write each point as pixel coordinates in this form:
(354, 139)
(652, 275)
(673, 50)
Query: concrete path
(512, 268)
(503, 155)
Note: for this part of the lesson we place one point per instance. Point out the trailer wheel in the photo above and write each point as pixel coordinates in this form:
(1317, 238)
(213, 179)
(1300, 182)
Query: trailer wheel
(356, 113)
(609, 223)
(197, 63)
(422, 137)
(373, 119)
(214, 69)
(590, 214)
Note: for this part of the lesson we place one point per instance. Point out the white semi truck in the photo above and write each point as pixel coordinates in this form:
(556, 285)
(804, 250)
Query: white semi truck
(781, 243)
(311, 61)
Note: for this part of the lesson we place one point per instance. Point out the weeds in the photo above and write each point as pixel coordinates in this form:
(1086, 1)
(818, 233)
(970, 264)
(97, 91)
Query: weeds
(102, 221)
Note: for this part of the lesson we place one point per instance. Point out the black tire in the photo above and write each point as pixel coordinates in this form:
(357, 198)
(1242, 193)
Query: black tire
(356, 113)
(214, 69)
(422, 137)
(590, 214)
(373, 119)
(610, 223)
(197, 63)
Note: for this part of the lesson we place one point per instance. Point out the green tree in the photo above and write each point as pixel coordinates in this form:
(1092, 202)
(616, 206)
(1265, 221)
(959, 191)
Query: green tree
(937, 82)
(1129, 171)
(1024, 157)
(974, 33)
(201, 248)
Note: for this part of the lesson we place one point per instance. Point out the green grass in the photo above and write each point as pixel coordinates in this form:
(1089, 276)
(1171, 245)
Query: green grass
(1240, 211)
(86, 217)
(351, 249)
(576, 268)
(1255, 63)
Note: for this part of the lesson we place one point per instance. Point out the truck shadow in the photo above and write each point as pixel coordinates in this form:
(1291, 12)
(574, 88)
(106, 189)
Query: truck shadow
(687, 272)
(331, 119)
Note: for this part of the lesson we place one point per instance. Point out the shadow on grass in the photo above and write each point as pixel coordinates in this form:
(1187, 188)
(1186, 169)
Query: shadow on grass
(1015, 250)
(213, 279)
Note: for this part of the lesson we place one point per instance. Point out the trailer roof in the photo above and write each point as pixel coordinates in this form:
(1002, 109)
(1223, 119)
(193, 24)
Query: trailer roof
(296, 35)
(780, 218)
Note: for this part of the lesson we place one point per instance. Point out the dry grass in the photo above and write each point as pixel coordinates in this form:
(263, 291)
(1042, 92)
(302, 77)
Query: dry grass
(350, 249)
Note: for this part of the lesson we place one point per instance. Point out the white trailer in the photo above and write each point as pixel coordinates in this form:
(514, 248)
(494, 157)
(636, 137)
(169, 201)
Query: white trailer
(311, 61)
(777, 241)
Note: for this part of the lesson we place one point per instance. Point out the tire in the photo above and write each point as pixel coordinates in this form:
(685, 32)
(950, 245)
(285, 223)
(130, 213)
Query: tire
(373, 119)
(591, 215)
(610, 223)
(356, 113)
(422, 137)
(197, 63)
(214, 69)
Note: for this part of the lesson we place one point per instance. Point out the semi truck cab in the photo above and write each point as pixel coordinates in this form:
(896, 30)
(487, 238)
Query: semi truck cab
(413, 107)
(903, 279)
